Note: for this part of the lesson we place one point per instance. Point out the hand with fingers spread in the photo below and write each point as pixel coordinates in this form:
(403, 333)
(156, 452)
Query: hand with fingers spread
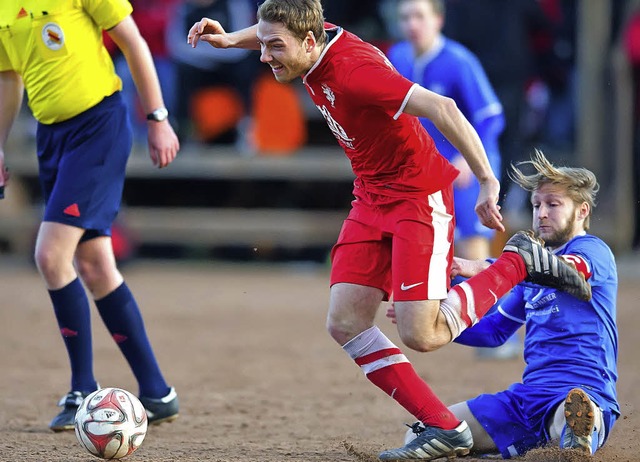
(210, 31)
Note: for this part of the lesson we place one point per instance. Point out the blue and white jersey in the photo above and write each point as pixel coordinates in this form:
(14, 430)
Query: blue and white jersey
(568, 343)
(451, 70)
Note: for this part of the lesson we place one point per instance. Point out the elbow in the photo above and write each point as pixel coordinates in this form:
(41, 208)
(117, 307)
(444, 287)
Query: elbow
(445, 114)
(448, 108)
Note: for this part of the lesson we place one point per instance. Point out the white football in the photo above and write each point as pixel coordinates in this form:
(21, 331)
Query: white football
(111, 423)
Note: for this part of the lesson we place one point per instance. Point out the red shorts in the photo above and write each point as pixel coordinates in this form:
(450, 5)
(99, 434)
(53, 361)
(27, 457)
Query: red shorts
(402, 246)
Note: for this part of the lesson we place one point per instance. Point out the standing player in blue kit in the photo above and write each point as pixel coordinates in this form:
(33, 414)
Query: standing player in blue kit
(446, 67)
(449, 69)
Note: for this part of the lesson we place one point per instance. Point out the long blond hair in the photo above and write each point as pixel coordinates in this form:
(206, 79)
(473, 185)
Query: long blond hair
(581, 184)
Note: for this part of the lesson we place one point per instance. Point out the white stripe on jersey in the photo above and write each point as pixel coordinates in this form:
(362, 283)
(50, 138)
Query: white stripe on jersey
(438, 276)
(404, 102)
(508, 316)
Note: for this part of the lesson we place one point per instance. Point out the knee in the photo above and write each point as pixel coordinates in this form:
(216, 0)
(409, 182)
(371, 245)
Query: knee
(336, 330)
(48, 261)
(92, 272)
(423, 343)
(343, 329)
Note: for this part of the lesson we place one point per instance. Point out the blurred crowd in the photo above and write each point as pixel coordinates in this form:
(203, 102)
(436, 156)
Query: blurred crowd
(528, 49)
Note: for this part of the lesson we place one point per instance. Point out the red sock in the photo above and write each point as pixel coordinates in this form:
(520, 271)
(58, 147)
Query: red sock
(386, 367)
(480, 292)
(470, 300)
(402, 383)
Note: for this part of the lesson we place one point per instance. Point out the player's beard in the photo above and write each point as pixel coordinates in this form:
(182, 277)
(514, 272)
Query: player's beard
(561, 236)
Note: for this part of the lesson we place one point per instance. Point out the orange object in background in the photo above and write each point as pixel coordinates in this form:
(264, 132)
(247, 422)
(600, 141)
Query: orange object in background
(279, 124)
(214, 111)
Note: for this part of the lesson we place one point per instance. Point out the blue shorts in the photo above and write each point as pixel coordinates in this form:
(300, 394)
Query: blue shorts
(82, 163)
(467, 221)
(516, 419)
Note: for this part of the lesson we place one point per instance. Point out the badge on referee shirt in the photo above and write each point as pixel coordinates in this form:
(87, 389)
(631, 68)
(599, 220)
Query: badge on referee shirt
(52, 36)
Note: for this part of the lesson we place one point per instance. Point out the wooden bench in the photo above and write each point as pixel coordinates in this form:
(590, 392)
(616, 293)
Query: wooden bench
(230, 227)
(204, 226)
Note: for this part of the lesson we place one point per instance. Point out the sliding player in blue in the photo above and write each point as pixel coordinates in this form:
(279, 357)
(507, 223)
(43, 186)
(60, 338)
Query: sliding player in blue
(568, 391)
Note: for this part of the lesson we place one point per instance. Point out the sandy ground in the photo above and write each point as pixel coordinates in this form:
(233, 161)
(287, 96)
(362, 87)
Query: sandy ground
(258, 377)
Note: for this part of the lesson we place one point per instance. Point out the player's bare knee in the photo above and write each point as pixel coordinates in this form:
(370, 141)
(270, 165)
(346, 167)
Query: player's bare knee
(334, 332)
(338, 331)
(421, 342)
(342, 330)
(93, 272)
(47, 261)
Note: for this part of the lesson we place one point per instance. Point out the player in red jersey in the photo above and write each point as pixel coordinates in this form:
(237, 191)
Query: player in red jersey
(398, 237)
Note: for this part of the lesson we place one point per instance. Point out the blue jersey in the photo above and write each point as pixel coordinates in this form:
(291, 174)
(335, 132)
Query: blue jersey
(568, 343)
(451, 70)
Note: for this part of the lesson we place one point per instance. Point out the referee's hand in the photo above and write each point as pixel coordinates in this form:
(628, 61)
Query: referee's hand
(4, 175)
(163, 143)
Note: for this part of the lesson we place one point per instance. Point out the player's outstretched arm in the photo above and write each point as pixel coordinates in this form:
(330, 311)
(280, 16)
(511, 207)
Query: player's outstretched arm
(447, 118)
(163, 142)
(210, 31)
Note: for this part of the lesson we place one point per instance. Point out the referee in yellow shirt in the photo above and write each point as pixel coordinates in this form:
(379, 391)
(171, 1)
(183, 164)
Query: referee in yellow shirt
(53, 49)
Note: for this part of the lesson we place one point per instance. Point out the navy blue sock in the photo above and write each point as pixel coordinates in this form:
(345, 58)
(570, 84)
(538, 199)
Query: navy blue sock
(71, 307)
(123, 319)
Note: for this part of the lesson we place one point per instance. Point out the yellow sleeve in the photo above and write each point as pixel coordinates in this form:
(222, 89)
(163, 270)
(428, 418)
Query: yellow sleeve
(107, 13)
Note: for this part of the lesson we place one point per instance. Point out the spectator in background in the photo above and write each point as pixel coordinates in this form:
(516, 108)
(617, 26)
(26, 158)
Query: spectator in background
(448, 68)
(206, 67)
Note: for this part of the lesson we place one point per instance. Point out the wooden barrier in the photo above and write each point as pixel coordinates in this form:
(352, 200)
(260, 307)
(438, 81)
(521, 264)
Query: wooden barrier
(202, 226)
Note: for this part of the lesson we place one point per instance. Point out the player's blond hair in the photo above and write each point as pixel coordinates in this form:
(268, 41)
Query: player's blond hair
(298, 16)
(581, 184)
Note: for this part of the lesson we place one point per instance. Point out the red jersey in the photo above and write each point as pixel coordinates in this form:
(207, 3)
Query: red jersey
(362, 96)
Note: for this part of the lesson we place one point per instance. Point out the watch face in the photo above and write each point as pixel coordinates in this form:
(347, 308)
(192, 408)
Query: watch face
(158, 115)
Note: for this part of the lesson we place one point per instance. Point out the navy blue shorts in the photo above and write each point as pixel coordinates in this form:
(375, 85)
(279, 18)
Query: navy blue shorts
(82, 165)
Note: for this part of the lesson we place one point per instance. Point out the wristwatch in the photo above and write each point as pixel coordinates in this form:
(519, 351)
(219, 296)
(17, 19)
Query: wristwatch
(158, 115)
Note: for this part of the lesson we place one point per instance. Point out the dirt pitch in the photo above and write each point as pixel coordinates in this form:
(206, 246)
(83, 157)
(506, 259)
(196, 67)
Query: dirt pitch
(259, 378)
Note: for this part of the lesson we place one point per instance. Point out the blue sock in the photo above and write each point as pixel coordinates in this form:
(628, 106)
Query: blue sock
(72, 311)
(123, 319)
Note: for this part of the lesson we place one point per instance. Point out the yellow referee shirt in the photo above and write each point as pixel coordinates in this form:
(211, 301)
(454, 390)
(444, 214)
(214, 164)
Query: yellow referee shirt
(56, 46)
